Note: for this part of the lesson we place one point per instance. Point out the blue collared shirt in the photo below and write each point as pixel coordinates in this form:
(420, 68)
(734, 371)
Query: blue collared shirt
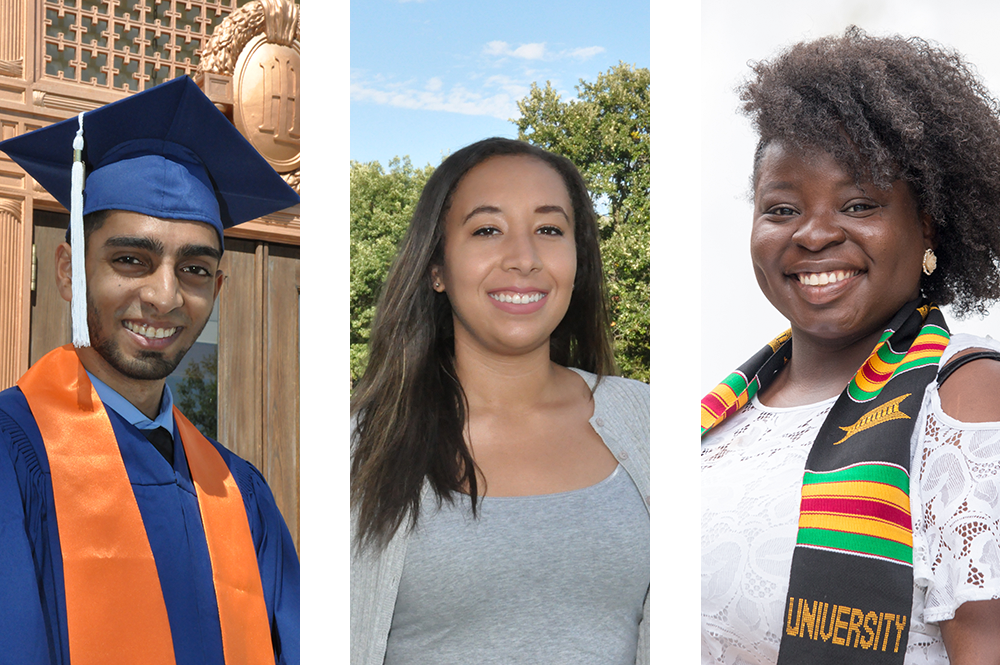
(128, 411)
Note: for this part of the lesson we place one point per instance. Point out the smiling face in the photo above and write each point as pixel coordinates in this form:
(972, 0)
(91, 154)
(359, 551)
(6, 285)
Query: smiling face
(151, 286)
(836, 257)
(509, 255)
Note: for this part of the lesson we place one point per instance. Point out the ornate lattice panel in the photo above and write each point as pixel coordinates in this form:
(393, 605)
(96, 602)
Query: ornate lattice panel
(127, 44)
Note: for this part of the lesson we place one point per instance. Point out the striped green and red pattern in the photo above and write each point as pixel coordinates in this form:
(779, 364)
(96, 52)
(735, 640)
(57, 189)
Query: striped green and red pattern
(863, 509)
(726, 398)
(883, 364)
(736, 389)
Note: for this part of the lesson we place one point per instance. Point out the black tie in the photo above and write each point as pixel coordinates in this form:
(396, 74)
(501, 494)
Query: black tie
(162, 441)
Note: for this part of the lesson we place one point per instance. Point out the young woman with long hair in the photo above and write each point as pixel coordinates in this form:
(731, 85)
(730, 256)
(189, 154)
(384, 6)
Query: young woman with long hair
(499, 472)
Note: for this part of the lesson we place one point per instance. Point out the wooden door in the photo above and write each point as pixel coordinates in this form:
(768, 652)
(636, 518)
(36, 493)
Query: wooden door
(259, 364)
(50, 320)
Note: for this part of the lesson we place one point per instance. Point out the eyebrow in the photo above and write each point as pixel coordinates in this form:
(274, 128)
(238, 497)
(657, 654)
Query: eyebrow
(787, 185)
(488, 209)
(551, 209)
(190, 251)
(777, 185)
(481, 210)
(156, 247)
(135, 242)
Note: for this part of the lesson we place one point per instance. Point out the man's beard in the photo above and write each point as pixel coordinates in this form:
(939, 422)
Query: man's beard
(148, 366)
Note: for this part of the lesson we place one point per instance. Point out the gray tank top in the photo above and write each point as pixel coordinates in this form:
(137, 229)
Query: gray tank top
(551, 578)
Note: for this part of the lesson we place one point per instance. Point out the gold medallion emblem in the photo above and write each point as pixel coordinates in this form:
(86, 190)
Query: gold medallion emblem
(266, 96)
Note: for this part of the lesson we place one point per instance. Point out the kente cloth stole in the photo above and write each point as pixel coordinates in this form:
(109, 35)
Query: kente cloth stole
(850, 589)
(115, 611)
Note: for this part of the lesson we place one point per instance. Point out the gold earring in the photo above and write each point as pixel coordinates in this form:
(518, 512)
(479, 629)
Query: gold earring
(930, 261)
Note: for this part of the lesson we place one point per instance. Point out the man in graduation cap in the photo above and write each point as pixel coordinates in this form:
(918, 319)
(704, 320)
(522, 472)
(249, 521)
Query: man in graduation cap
(125, 535)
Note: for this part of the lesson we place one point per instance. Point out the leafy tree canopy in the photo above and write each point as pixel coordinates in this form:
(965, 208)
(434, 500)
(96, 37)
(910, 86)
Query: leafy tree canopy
(605, 132)
(382, 202)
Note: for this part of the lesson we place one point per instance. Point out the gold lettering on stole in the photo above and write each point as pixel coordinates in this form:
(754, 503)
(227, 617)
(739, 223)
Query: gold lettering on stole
(857, 616)
(888, 618)
(793, 630)
(872, 637)
(899, 630)
(822, 632)
(840, 623)
(809, 620)
(862, 629)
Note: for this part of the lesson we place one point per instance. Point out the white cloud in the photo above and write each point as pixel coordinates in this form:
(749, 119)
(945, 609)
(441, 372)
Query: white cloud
(479, 92)
(524, 51)
(585, 52)
(497, 48)
(538, 51)
(497, 97)
(514, 88)
(529, 51)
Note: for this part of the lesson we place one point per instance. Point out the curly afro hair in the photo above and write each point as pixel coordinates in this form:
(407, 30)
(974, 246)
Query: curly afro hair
(888, 108)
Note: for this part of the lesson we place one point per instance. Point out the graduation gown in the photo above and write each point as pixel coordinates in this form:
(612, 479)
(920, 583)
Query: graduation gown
(32, 597)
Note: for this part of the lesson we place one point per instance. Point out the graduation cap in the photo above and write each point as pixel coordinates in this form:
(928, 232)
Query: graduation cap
(165, 152)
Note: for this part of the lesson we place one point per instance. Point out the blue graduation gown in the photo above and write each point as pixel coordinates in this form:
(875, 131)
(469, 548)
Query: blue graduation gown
(32, 595)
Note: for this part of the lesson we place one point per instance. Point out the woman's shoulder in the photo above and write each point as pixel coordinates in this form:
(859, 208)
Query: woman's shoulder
(621, 408)
(625, 393)
(617, 390)
(969, 393)
(955, 501)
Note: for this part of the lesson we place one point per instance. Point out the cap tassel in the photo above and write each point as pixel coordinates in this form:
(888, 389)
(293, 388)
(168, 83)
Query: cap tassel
(78, 305)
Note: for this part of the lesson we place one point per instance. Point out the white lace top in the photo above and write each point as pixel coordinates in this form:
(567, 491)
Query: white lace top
(752, 467)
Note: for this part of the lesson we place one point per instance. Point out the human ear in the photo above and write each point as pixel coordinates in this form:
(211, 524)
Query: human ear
(219, 279)
(436, 282)
(64, 271)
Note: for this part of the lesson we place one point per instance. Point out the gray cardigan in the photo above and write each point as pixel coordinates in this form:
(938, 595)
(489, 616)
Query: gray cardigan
(621, 419)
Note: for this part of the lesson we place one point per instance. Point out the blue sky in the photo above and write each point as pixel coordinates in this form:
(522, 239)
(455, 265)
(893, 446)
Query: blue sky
(430, 76)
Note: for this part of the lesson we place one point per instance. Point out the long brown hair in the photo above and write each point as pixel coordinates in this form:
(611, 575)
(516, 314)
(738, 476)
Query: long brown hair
(409, 409)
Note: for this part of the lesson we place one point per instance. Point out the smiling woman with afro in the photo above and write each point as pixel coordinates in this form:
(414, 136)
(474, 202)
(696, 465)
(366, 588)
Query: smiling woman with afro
(851, 468)
(899, 109)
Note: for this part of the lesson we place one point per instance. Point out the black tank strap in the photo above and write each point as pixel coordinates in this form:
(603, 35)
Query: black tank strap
(955, 363)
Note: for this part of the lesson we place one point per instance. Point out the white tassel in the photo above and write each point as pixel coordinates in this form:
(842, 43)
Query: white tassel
(78, 306)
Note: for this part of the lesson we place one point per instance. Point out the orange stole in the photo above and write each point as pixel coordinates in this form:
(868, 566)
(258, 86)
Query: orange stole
(246, 632)
(114, 605)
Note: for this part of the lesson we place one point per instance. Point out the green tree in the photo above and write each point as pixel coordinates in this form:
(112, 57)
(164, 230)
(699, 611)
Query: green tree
(198, 394)
(382, 202)
(605, 132)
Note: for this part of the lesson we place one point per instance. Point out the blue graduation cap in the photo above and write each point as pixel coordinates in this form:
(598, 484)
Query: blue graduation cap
(165, 152)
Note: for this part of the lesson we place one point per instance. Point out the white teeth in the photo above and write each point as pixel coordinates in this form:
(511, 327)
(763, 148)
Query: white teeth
(518, 298)
(824, 278)
(149, 332)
